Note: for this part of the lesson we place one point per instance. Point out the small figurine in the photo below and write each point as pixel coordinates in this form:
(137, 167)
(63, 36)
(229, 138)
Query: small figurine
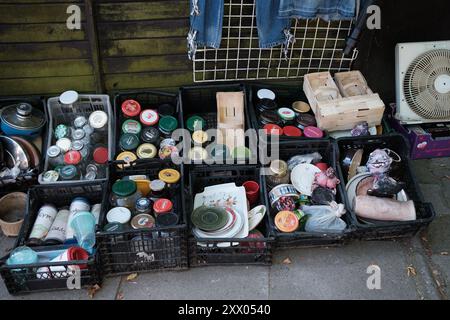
(326, 179)
(360, 130)
(379, 164)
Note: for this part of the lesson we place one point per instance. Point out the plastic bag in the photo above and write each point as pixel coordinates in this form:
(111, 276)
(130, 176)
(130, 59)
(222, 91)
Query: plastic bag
(325, 219)
(304, 158)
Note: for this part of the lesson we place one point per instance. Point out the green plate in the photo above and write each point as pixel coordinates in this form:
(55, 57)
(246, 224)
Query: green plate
(209, 218)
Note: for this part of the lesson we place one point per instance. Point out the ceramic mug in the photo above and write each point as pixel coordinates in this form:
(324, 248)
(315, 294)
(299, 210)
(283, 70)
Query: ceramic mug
(251, 191)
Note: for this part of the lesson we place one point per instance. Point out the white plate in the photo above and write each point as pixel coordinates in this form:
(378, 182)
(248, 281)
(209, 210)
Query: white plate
(227, 234)
(255, 216)
(302, 177)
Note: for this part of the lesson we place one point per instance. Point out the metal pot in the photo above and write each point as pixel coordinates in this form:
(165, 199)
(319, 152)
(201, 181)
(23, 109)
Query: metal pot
(22, 119)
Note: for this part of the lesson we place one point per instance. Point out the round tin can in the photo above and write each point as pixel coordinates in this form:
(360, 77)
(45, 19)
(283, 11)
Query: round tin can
(146, 151)
(55, 156)
(78, 134)
(273, 129)
(118, 214)
(64, 144)
(167, 142)
(98, 120)
(128, 142)
(286, 221)
(69, 172)
(143, 205)
(167, 124)
(80, 122)
(143, 221)
(62, 131)
(127, 157)
(150, 135)
(282, 191)
(269, 117)
(199, 137)
(77, 145)
(131, 108)
(301, 107)
(45, 217)
(131, 126)
(266, 94)
(313, 132)
(266, 105)
(291, 131)
(157, 187)
(72, 157)
(305, 120)
(195, 123)
(169, 176)
(50, 176)
(149, 117)
(162, 206)
(286, 114)
(100, 155)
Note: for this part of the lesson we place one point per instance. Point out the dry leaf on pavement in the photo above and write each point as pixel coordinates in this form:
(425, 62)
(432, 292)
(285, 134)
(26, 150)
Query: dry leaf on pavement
(411, 271)
(93, 290)
(119, 295)
(132, 277)
(287, 261)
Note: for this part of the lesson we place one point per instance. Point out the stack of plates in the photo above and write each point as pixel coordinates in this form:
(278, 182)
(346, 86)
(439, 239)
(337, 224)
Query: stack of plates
(212, 222)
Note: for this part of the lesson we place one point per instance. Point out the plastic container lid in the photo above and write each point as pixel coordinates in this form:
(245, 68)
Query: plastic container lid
(162, 206)
(53, 151)
(142, 221)
(167, 220)
(169, 176)
(286, 221)
(266, 94)
(72, 157)
(313, 132)
(292, 131)
(166, 109)
(68, 172)
(168, 124)
(80, 122)
(101, 155)
(78, 134)
(150, 135)
(273, 129)
(129, 141)
(131, 126)
(119, 214)
(64, 144)
(195, 123)
(124, 188)
(126, 156)
(286, 114)
(77, 145)
(131, 108)
(69, 97)
(61, 131)
(146, 151)
(157, 185)
(149, 117)
(98, 119)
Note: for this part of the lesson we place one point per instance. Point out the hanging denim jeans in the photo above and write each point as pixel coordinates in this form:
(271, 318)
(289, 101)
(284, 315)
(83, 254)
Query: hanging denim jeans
(324, 9)
(206, 19)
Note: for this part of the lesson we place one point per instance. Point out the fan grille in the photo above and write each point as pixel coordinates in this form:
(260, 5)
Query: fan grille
(420, 81)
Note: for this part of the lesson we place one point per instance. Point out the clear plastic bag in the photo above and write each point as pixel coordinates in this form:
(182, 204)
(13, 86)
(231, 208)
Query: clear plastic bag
(325, 219)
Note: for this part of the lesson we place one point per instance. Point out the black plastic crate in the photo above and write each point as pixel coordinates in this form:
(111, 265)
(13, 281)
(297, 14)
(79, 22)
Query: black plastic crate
(26, 180)
(147, 100)
(145, 250)
(201, 101)
(26, 280)
(301, 239)
(247, 251)
(403, 172)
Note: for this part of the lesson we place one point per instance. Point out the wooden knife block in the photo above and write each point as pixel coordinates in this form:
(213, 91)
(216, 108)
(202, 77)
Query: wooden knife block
(230, 119)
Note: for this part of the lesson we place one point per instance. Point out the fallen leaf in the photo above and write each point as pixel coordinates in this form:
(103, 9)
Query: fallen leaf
(132, 276)
(119, 295)
(287, 261)
(444, 253)
(424, 239)
(411, 271)
(93, 290)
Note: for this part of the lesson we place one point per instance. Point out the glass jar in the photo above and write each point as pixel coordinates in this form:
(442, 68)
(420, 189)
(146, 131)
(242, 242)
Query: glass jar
(278, 174)
(157, 188)
(125, 194)
(143, 206)
(55, 156)
(167, 125)
(69, 172)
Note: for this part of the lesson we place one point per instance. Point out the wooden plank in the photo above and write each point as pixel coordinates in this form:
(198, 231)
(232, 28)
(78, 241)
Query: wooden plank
(44, 51)
(94, 45)
(142, 47)
(40, 33)
(39, 1)
(35, 13)
(143, 29)
(147, 80)
(52, 85)
(146, 64)
(143, 10)
(49, 68)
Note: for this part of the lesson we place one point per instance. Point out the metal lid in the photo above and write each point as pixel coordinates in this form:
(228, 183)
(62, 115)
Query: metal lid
(273, 129)
(146, 151)
(306, 120)
(129, 141)
(68, 172)
(167, 219)
(131, 126)
(23, 116)
(124, 188)
(127, 157)
(90, 175)
(53, 151)
(80, 122)
(150, 135)
(167, 142)
(64, 144)
(72, 157)
(131, 108)
(286, 114)
(162, 206)
(195, 123)
(286, 221)
(279, 168)
(157, 185)
(313, 132)
(77, 145)
(69, 97)
(100, 155)
(149, 117)
(78, 134)
(142, 221)
(166, 109)
(50, 176)
(168, 124)
(200, 137)
(169, 176)
(301, 107)
(265, 94)
(98, 119)
(143, 204)
(62, 131)
(292, 131)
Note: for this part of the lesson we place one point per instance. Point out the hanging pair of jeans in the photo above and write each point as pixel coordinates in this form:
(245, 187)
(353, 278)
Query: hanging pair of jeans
(325, 9)
(206, 18)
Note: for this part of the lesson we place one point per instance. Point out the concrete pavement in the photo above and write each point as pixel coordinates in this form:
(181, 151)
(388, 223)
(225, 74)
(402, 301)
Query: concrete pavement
(417, 268)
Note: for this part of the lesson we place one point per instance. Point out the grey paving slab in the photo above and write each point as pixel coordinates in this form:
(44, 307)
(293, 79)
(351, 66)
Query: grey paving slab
(438, 235)
(340, 273)
(434, 194)
(225, 283)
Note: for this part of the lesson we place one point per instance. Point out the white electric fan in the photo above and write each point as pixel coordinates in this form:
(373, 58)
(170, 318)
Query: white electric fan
(423, 82)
